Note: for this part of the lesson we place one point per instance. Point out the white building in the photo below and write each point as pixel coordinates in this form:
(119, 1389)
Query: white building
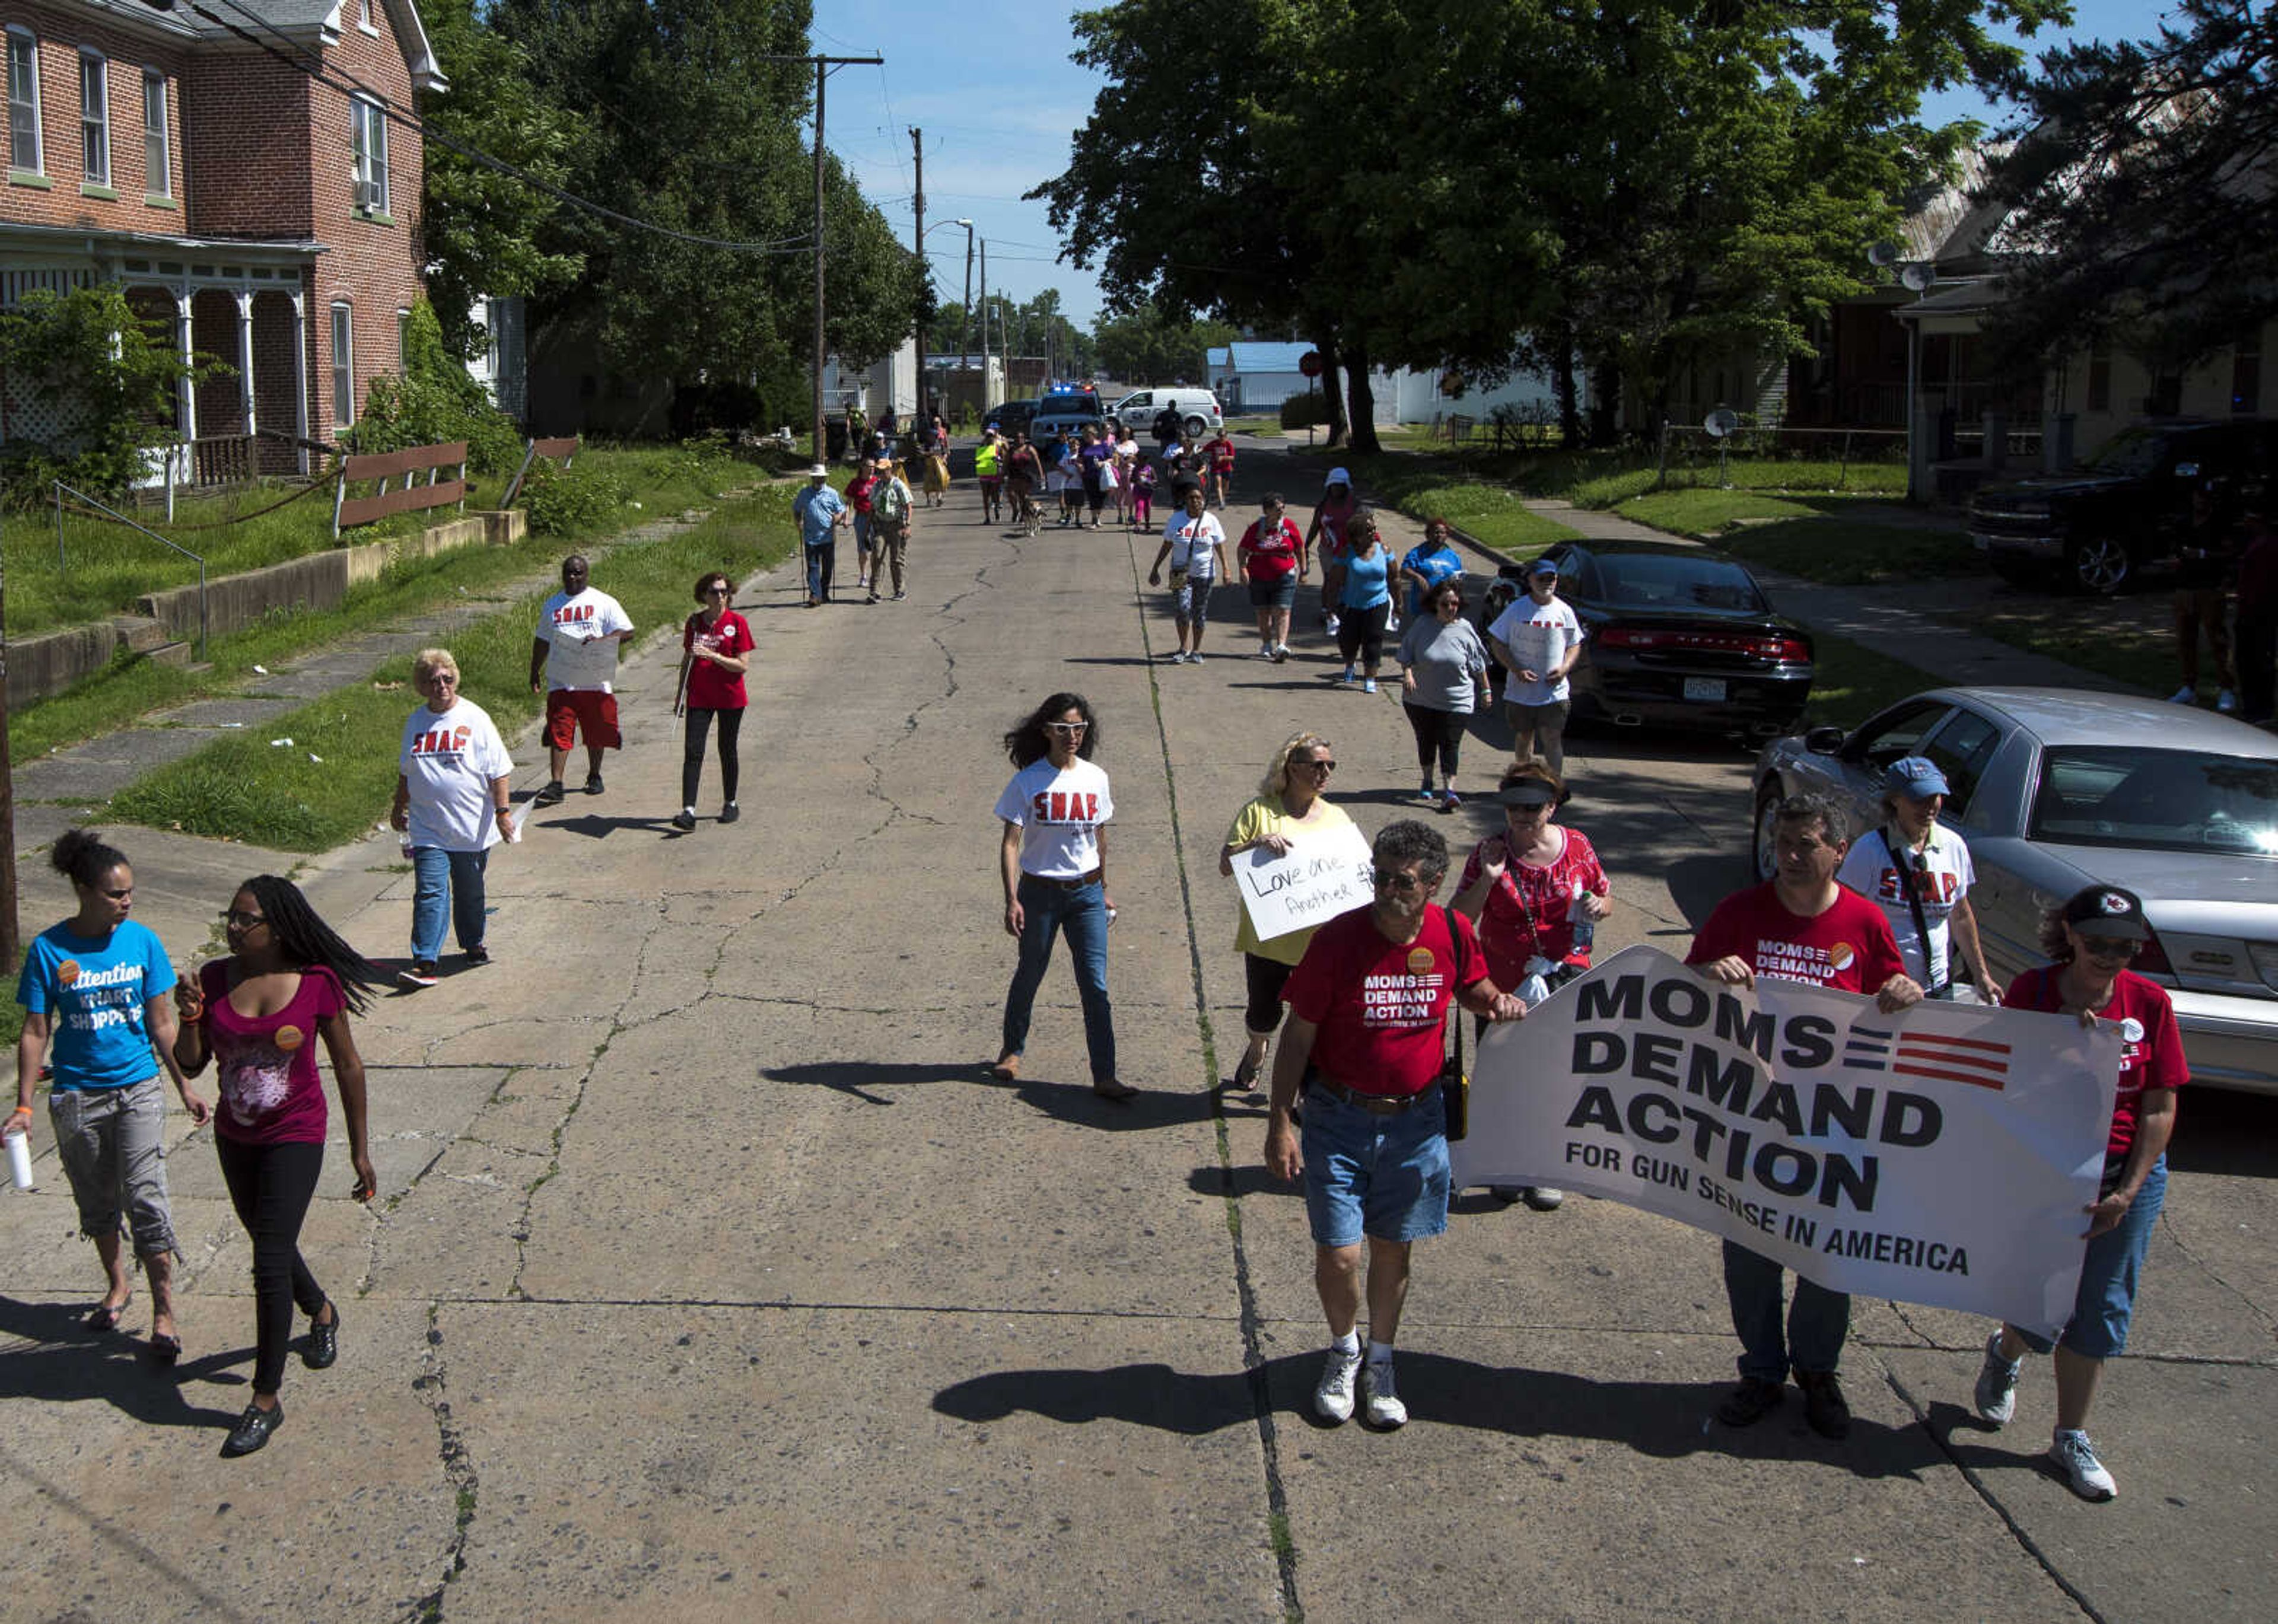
(1249, 378)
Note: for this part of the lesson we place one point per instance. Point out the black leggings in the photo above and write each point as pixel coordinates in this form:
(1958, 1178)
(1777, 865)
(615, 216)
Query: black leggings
(1266, 977)
(1361, 632)
(1437, 732)
(692, 760)
(270, 1186)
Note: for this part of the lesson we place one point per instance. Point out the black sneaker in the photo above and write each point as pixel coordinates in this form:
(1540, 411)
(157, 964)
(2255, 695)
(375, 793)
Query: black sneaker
(730, 813)
(1750, 1402)
(253, 1430)
(476, 955)
(593, 783)
(684, 820)
(551, 795)
(323, 1350)
(1824, 1409)
(419, 974)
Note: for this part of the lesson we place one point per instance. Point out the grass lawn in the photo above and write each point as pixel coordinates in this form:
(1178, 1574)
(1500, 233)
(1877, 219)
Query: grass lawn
(1845, 553)
(657, 480)
(243, 789)
(1491, 512)
(2129, 638)
(1851, 682)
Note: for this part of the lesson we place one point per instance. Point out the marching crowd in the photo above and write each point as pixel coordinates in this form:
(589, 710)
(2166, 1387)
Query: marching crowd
(1354, 1012)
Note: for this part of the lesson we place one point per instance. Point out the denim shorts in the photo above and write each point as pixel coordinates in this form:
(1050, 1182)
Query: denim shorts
(1277, 594)
(2108, 1274)
(1383, 1177)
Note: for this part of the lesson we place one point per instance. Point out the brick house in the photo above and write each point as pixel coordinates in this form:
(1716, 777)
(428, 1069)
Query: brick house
(271, 220)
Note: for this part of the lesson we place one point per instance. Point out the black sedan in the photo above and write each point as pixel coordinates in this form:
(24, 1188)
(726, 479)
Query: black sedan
(1677, 636)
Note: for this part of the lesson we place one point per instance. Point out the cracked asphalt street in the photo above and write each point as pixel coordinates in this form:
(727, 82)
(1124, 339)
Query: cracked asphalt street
(711, 1278)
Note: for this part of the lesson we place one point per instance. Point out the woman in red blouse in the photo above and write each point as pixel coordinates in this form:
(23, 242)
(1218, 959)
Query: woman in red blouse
(715, 644)
(289, 978)
(2091, 937)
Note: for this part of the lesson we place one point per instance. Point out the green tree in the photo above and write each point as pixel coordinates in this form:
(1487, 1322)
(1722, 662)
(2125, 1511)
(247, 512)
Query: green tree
(1148, 345)
(2142, 191)
(103, 377)
(480, 228)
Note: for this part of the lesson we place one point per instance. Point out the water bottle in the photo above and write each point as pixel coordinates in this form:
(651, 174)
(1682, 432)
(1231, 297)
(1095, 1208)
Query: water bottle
(1578, 915)
(20, 1159)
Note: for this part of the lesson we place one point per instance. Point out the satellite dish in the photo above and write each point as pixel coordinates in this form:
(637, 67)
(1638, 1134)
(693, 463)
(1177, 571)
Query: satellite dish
(1882, 255)
(1916, 277)
(1721, 422)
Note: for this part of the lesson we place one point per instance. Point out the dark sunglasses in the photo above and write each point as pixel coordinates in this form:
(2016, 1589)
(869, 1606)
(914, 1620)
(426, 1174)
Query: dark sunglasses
(719, 592)
(1319, 765)
(238, 918)
(1400, 882)
(2110, 947)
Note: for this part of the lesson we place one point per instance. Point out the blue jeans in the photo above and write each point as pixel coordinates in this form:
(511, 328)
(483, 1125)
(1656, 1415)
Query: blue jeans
(1818, 1319)
(1048, 907)
(821, 562)
(2105, 1301)
(460, 875)
(1385, 1176)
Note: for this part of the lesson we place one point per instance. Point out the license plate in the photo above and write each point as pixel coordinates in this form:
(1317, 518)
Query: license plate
(1709, 687)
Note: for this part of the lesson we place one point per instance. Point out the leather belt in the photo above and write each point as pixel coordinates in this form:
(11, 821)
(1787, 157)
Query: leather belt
(1374, 1104)
(1076, 884)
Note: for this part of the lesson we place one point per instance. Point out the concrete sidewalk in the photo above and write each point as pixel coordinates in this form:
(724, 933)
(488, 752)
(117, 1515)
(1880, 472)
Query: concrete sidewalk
(711, 1278)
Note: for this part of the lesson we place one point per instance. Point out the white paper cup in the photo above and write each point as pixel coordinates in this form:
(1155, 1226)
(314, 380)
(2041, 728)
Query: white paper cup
(19, 1160)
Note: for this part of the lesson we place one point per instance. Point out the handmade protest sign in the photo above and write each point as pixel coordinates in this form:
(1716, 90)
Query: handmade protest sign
(1941, 1155)
(1324, 873)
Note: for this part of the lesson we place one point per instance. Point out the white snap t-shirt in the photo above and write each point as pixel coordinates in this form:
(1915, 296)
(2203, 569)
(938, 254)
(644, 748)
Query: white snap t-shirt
(1943, 876)
(447, 760)
(579, 633)
(1058, 814)
(1538, 637)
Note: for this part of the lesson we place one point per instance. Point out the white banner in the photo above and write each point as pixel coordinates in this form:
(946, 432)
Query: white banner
(1942, 1156)
(1324, 873)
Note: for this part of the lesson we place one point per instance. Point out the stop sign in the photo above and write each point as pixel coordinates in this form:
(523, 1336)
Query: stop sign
(1310, 363)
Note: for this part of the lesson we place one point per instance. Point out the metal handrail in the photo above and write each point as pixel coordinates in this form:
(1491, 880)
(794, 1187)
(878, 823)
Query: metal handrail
(63, 489)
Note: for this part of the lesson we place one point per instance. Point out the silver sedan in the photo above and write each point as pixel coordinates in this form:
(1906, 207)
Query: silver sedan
(2058, 788)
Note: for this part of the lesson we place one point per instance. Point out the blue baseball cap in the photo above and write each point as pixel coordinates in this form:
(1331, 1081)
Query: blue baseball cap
(1543, 567)
(1916, 776)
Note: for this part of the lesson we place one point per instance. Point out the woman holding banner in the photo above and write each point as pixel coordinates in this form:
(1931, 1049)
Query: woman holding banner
(1919, 874)
(2091, 937)
(1536, 891)
(1291, 803)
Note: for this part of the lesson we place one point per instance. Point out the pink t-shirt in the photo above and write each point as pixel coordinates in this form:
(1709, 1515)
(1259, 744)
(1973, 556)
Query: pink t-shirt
(271, 1093)
(1525, 912)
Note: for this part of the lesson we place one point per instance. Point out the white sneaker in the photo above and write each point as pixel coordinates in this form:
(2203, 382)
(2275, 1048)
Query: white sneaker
(1349, 674)
(2084, 1473)
(1333, 626)
(2226, 701)
(1542, 1198)
(2184, 696)
(1385, 1408)
(1194, 658)
(1264, 651)
(1332, 1396)
(1997, 1383)
(1280, 653)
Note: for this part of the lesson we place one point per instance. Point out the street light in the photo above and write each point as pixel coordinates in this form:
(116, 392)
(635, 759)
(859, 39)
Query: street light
(965, 329)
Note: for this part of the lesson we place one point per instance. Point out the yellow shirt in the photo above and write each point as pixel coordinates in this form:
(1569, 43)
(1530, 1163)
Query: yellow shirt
(1265, 816)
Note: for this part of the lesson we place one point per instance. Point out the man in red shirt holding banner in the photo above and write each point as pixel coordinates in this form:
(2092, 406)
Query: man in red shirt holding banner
(1801, 926)
(1366, 1041)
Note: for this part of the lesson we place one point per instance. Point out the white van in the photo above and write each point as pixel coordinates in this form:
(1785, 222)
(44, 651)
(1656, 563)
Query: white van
(1197, 408)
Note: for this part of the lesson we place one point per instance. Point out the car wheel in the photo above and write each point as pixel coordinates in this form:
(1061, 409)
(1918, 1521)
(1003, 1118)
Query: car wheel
(2099, 566)
(1762, 860)
(1196, 427)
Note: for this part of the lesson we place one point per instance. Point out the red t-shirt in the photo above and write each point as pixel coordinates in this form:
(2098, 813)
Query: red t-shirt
(1271, 554)
(1525, 911)
(1382, 1007)
(1849, 947)
(858, 493)
(1220, 453)
(271, 1093)
(709, 688)
(1333, 516)
(2150, 1058)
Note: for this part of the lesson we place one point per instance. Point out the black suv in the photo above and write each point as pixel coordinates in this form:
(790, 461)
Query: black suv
(2127, 509)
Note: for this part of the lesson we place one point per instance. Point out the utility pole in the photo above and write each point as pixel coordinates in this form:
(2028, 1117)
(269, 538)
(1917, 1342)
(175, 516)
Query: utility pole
(965, 333)
(823, 66)
(917, 248)
(985, 401)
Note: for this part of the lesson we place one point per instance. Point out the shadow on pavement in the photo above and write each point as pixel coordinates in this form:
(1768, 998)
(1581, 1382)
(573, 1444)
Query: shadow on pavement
(1665, 1420)
(1247, 1179)
(66, 1364)
(593, 826)
(2221, 1130)
(1969, 1442)
(858, 1078)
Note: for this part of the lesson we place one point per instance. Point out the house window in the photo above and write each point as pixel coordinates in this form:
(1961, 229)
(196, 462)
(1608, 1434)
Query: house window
(95, 115)
(367, 137)
(2100, 378)
(343, 367)
(158, 170)
(2166, 397)
(2246, 375)
(402, 339)
(23, 103)
(364, 16)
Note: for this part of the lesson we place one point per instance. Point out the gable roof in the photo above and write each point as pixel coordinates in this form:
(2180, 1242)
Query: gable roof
(321, 22)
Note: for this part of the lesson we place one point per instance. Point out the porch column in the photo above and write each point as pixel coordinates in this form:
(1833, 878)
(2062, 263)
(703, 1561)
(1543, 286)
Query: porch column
(187, 392)
(245, 355)
(301, 378)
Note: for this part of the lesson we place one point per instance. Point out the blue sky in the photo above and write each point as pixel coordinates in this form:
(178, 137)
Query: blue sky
(990, 84)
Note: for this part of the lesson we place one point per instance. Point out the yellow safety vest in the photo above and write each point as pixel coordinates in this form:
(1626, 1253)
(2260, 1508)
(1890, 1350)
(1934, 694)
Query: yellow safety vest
(984, 459)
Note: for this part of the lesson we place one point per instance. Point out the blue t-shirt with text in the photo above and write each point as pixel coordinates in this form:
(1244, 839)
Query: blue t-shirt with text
(92, 991)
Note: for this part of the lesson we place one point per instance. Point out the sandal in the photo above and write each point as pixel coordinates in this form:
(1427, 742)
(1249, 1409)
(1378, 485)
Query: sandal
(105, 1317)
(1007, 1069)
(164, 1349)
(1245, 1073)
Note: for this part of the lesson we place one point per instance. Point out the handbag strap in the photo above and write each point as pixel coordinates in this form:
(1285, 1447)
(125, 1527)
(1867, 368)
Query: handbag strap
(1914, 901)
(1454, 991)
